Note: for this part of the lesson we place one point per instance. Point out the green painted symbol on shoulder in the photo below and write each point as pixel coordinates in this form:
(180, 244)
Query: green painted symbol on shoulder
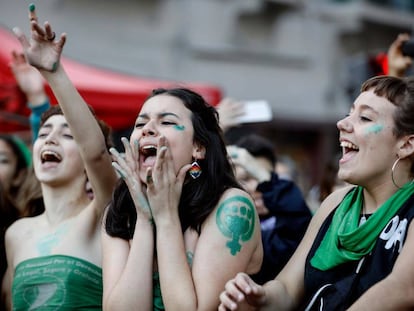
(235, 218)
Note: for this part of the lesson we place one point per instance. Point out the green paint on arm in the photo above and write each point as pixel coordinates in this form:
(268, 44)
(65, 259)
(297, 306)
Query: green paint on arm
(235, 219)
(32, 7)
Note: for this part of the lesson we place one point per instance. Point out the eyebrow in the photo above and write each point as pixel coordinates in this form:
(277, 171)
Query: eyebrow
(160, 115)
(49, 125)
(364, 107)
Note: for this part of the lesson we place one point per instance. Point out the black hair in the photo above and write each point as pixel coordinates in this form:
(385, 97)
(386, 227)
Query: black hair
(258, 146)
(199, 196)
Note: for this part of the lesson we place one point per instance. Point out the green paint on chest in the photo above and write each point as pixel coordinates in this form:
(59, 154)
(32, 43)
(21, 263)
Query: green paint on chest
(49, 241)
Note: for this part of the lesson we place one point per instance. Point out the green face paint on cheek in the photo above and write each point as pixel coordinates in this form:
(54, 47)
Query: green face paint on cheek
(179, 127)
(236, 219)
(375, 129)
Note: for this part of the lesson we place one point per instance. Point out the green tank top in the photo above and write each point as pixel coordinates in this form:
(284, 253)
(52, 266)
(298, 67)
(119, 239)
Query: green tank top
(57, 282)
(158, 304)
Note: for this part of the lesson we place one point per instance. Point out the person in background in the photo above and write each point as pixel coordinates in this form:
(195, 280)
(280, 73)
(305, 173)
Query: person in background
(229, 111)
(357, 253)
(397, 63)
(179, 225)
(61, 248)
(8, 214)
(286, 168)
(281, 206)
(15, 160)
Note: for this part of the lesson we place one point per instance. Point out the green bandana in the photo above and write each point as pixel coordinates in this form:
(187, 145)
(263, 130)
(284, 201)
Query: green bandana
(345, 239)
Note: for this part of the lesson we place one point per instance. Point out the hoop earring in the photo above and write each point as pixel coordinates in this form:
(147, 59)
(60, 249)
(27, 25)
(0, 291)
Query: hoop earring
(392, 174)
(195, 170)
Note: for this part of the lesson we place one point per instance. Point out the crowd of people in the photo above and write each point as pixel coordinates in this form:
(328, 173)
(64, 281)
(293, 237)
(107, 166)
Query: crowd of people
(180, 220)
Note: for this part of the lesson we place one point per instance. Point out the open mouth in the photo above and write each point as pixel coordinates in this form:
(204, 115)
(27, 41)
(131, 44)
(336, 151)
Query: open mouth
(148, 151)
(50, 156)
(348, 147)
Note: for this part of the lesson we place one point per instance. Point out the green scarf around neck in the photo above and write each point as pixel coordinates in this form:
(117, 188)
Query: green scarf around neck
(345, 239)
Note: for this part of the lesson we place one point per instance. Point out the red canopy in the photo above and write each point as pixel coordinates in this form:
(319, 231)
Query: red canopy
(115, 97)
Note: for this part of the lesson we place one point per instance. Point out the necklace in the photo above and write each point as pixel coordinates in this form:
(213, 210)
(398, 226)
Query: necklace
(363, 218)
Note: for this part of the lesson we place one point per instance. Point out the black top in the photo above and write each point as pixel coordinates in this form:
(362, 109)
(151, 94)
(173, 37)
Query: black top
(341, 286)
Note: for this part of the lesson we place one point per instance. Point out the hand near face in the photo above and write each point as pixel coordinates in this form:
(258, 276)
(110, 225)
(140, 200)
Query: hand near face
(241, 293)
(164, 186)
(41, 50)
(128, 168)
(240, 156)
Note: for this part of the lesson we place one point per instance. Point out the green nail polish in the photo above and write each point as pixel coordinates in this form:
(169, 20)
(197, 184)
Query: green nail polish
(55, 66)
(31, 7)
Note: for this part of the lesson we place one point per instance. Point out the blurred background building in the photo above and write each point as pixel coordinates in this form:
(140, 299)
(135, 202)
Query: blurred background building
(307, 58)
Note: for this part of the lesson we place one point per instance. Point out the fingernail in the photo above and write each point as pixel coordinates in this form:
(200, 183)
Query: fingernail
(54, 67)
(32, 7)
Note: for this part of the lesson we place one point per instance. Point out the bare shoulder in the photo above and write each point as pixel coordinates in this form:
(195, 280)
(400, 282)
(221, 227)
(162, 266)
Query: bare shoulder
(235, 212)
(21, 226)
(235, 192)
(333, 200)
(232, 232)
(236, 204)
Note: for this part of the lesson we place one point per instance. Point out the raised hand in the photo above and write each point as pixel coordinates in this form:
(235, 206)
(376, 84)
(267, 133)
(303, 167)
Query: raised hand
(129, 170)
(29, 79)
(240, 156)
(41, 49)
(397, 62)
(229, 111)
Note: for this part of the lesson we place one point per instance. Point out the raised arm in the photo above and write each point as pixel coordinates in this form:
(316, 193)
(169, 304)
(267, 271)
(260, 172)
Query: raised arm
(43, 52)
(31, 83)
(398, 63)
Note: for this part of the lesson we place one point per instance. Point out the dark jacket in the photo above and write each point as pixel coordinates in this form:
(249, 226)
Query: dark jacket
(285, 201)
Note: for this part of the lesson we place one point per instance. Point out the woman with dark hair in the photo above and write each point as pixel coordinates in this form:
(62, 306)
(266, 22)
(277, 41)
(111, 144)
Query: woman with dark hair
(357, 252)
(179, 225)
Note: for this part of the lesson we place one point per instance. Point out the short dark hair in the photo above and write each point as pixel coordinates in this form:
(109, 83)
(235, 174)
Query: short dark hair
(258, 146)
(400, 92)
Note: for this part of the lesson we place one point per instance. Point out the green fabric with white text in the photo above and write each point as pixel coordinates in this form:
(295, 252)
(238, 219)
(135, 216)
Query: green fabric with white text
(57, 282)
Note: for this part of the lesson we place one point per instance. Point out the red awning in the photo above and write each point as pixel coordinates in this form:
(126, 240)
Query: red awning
(115, 97)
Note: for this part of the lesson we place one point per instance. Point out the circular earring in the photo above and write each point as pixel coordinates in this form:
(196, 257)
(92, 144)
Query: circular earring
(392, 174)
